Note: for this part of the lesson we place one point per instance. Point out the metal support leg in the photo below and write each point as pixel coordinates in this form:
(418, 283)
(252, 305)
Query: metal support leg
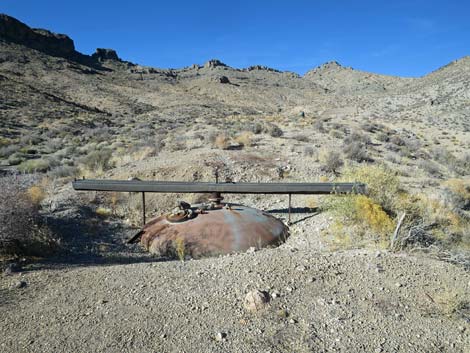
(290, 197)
(143, 208)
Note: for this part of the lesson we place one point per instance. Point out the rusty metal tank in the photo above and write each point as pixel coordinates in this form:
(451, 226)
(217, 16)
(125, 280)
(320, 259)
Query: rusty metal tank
(211, 229)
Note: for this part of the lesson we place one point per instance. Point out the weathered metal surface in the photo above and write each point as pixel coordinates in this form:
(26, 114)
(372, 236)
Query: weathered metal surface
(221, 230)
(227, 188)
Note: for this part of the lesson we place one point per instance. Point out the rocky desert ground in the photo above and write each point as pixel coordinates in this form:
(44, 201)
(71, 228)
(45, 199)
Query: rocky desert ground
(71, 283)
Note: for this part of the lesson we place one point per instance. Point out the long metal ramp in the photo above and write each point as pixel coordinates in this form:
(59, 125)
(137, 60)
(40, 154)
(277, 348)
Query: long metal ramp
(226, 188)
(216, 189)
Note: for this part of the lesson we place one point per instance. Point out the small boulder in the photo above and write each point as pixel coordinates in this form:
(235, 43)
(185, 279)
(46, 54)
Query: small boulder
(224, 79)
(220, 336)
(256, 300)
(12, 268)
(18, 285)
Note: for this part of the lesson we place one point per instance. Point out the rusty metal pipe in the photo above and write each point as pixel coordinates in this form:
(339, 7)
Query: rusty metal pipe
(228, 188)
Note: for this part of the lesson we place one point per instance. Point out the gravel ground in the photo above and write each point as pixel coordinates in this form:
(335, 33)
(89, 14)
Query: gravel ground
(320, 302)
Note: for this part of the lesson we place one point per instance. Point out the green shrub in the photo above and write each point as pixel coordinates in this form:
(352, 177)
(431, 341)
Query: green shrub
(34, 166)
(98, 160)
(15, 159)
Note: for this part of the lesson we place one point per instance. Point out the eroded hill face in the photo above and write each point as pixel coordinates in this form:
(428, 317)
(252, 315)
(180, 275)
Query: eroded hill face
(53, 98)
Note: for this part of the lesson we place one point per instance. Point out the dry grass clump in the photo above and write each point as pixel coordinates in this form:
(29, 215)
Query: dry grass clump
(222, 141)
(451, 302)
(245, 138)
(21, 230)
(36, 195)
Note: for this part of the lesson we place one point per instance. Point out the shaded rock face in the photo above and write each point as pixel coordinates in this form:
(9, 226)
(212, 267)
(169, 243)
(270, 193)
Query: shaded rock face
(48, 42)
(102, 54)
(223, 79)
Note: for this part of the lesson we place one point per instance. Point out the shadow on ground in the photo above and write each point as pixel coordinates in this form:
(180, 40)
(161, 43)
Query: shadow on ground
(307, 211)
(85, 239)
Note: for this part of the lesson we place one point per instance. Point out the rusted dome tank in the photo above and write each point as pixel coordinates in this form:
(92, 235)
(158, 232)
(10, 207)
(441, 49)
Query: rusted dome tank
(211, 229)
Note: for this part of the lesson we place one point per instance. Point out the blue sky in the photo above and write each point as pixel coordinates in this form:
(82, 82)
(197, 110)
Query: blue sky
(396, 37)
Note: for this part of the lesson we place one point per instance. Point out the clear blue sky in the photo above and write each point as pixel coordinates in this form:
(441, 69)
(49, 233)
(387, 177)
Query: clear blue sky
(397, 37)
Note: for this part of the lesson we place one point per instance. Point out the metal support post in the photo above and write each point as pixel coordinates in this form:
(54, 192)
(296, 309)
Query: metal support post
(143, 208)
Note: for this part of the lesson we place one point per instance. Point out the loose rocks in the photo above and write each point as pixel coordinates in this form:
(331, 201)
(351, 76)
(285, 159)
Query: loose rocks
(256, 300)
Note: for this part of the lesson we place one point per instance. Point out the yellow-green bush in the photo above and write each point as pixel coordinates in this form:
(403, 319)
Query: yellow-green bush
(443, 218)
(383, 184)
(359, 216)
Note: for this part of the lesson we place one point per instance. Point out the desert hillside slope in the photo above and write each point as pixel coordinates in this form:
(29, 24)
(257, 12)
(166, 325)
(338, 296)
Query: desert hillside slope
(346, 279)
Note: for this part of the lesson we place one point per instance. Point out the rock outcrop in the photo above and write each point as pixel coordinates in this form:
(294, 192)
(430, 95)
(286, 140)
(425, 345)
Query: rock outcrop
(102, 54)
(211, 64)
(12, 30)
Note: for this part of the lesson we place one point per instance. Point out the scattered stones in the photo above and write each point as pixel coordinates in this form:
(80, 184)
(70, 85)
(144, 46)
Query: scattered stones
(221, 336)
(18, 285)
(256, 300)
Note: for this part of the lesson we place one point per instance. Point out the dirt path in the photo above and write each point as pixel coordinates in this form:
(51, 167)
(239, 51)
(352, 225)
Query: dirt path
(345, 301)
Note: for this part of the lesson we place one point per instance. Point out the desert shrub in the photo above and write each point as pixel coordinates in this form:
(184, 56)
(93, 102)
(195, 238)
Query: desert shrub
(318, 126)
(7, 151)
(256, 128)
(383, 137)
(309, 151)
(457, 194)
(53, 144)
(301, 137)
(21, 228)
(336, 134)
(98, 160)
(442, 155)
(429, 167)
(397, 140)
(274, 130)
(4, 141)
(36, 194)
(103, 212)
(34, 166)
(212, 136)
(383, 184)
(330, 160)
(368, 218)
(362, 218)
(30, 139)
(356, 151)
(64, 171)
(356, 136)
(15, 159)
